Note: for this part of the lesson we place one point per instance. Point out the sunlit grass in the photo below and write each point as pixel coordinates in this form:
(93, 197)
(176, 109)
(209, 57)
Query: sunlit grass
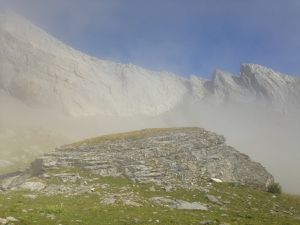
(243, 205)
(131, 135)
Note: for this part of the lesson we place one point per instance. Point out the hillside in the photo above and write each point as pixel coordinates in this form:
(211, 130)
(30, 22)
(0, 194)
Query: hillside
(153, 176)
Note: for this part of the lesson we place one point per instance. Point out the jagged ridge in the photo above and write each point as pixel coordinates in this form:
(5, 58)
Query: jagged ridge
(43, 72)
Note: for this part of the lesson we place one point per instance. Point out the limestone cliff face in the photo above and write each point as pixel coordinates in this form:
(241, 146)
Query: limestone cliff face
(257, 84)
(176, 157)
(42, 72)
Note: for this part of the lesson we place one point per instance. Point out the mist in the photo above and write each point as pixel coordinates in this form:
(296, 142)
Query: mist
(268, 137)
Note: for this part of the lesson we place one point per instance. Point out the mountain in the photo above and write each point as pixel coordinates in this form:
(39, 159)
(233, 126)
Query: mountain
(52, 94)
(42, 72)
(257, 84)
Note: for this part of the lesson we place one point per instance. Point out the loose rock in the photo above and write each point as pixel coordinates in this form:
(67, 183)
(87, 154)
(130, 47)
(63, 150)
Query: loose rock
(214, 199)
(33, 186)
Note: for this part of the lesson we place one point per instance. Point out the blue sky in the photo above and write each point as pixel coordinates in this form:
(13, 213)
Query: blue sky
(182, 36)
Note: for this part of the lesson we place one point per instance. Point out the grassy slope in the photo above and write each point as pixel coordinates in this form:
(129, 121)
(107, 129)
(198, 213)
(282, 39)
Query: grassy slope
(132, 135)
(243, 206)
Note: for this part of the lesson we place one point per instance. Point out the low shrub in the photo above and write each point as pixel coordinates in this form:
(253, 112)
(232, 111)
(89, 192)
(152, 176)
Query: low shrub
(274, 188)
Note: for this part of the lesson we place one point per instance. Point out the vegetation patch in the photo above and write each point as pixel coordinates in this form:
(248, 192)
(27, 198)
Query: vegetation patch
(274, 188)
(241, 204)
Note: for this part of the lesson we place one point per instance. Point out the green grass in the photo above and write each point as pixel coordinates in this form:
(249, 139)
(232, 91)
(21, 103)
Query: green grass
(130, 135)
(243, 205)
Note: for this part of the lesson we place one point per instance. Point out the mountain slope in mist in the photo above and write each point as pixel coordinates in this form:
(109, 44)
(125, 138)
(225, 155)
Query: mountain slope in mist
(43, 72)
(46, 85)
(258, 84)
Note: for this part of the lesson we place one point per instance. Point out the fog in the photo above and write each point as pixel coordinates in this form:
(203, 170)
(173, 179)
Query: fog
(268, 137)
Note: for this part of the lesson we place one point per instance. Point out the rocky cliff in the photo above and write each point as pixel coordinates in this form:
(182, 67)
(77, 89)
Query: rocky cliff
(174, 157)
(42, 72)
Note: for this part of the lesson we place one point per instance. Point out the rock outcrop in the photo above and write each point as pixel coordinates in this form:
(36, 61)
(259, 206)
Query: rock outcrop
(174, 157)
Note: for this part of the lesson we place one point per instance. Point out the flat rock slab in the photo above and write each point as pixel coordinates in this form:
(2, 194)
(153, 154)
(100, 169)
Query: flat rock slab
(214, 199)
(33, 186)
(108, 201)
(179, 204)
(190, 205)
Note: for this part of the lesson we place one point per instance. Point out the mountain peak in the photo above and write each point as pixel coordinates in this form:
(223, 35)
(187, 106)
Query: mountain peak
(252, 66)
(221, 75)
(224, 80)
(259, 74)
(255, 69)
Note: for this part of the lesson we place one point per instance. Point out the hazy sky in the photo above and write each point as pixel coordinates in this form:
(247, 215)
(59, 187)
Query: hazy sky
(182, 36)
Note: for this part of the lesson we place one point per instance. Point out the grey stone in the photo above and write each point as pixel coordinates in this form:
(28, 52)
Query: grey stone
(178, 204)
(33, 186)
(108, 201)
(37, 167)
(214, 199)
(11, 219)
(3, 221)
(131, 203)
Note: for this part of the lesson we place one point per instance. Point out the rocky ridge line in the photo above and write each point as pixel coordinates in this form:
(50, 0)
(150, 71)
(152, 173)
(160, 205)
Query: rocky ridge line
(174, 157)
(36, 68)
